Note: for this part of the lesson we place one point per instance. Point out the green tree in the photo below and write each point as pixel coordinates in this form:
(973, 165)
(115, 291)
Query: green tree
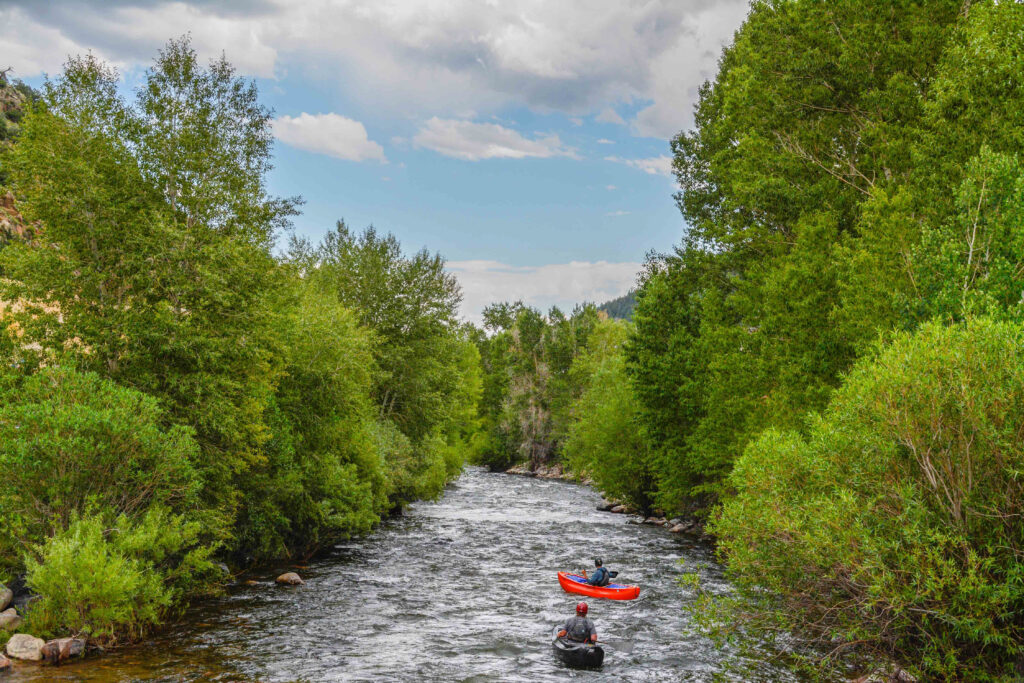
(528, 388)
(151, 295)
(815, 108)
(425, 381)
(322, 476)
(605, 438)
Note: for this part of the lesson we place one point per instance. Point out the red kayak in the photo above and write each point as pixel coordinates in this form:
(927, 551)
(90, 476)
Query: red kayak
(574, 583)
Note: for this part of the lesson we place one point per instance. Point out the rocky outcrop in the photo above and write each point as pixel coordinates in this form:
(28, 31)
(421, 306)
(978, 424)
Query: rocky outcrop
(290, 579)
(24, 646)
(13, 226)
(9, 620)
(62, 649)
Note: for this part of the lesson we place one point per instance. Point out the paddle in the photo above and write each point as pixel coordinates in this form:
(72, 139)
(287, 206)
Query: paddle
(617, 644)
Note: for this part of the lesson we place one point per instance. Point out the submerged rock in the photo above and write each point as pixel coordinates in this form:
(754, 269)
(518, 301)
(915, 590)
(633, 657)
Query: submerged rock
(24, 646)
(62, 649)
(9, 620)
(290, 579)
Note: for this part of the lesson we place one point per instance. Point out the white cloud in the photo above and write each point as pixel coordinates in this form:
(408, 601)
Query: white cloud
(609, 115)
(561, 284)
(329, 134)
(37, 37)
(655, 165)
(610, 187)
(678, 72)
(424, 58)
(605, 141)
(475, 141)
(617, 213)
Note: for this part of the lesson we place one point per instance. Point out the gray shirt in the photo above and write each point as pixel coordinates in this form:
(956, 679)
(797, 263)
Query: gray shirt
(580, 629)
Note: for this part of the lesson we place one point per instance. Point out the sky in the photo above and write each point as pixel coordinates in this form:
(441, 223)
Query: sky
(527, 141)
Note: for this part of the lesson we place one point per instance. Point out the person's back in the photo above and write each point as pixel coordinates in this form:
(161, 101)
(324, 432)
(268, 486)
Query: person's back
(601, 576)
(580, 629)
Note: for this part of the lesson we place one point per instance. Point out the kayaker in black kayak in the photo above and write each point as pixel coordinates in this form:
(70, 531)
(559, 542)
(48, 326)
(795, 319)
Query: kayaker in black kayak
(601, 575)
(579, 628)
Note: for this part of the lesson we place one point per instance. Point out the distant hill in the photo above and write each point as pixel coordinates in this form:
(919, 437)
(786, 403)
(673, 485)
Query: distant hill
(621, 308)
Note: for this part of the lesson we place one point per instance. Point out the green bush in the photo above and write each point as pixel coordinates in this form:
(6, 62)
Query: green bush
(108, 579)
(893, 528)
(72, 440)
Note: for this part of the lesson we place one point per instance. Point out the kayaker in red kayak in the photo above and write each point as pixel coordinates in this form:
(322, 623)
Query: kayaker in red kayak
(601, 575)
(579, 628)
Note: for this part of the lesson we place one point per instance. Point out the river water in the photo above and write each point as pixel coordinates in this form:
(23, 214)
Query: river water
(462, 589)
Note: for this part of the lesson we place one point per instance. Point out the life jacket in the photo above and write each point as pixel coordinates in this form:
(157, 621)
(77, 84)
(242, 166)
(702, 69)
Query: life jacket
(601, 577)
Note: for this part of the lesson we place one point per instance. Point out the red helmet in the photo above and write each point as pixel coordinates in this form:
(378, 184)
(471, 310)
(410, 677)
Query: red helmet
(581, 609)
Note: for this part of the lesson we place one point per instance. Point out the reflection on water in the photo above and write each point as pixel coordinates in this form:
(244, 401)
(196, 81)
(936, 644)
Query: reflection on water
(463, 589)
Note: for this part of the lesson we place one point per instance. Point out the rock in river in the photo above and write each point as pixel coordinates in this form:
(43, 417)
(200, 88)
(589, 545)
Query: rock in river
(290, 579)
(24, 646)
(63, 649)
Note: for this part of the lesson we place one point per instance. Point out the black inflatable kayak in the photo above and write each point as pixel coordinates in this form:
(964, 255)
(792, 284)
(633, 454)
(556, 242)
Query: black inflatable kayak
(577, 655)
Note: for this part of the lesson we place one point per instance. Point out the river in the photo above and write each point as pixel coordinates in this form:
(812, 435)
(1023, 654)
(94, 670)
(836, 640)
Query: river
(462, 589)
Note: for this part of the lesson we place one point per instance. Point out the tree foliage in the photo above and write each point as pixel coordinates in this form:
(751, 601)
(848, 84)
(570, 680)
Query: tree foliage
(528, 389)
(902, 503)
(171, 387)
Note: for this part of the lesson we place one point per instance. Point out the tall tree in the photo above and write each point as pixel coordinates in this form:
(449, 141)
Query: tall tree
(163, 290)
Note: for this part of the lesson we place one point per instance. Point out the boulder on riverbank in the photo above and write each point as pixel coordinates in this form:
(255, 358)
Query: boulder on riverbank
(290, 579)
(6, 595)
(26, 647)
(62, 649)
(5, 664)
(9, 620)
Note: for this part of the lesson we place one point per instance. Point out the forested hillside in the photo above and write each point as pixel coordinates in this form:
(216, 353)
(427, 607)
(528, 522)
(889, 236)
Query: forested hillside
(620, 308)
(827, 365)
(174, 394)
